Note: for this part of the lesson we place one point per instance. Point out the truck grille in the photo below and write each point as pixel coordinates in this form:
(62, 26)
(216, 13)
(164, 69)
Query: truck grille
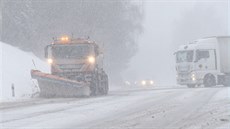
(71, 67)
(184, 75)
(183, 68)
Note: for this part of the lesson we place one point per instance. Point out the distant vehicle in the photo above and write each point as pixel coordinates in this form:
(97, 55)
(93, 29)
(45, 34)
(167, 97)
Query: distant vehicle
(146, 82)
(205, 62)
(127, 83)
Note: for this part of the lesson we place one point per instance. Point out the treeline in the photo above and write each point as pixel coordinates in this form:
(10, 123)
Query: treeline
(114, 24)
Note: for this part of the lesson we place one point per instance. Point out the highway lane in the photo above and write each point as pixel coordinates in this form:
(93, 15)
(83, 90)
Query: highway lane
(156, 108)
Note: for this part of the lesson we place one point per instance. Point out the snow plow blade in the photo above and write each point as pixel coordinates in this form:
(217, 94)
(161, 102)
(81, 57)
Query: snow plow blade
(55, 86)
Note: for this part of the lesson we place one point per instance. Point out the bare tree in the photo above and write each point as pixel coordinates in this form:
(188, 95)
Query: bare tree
(31, 24)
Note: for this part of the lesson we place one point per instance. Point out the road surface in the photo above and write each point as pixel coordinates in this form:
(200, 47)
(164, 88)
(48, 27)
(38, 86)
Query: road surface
(153, 108)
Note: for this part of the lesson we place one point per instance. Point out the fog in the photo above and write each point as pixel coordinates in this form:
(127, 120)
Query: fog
(32, 24)
(84, 84)
(138, 39)
(168, 25)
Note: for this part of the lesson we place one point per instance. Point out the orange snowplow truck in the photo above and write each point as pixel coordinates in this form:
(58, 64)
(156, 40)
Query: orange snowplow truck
(76, 69)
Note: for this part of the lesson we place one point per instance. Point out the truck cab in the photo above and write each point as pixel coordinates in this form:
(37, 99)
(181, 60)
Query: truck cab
(77, 59)
(199, 63)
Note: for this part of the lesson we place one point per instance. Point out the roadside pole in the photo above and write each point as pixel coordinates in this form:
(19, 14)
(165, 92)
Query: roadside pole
(1, 83)
(1, 9)
(228, 24)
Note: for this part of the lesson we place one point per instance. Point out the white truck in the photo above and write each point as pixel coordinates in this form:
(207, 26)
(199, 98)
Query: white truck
(205, 62)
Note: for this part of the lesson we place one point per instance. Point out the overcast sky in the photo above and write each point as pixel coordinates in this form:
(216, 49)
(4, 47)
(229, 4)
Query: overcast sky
(166, 23)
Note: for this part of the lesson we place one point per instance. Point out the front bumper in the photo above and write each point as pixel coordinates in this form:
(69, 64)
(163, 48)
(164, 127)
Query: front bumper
(186, 79)
(188, 82)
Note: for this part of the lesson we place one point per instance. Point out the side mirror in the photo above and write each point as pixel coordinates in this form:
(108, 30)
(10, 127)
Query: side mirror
(97, 51)
(47, 51)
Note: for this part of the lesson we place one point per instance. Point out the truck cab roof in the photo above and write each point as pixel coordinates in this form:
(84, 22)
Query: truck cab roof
(203, 43)
(73, 41)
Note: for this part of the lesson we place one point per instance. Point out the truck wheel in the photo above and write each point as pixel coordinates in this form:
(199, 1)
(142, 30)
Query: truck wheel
(191, 86)
(104, 85)
(92, 91)
(227, 81)
(94, 86)
(209, 80)
(226, 84)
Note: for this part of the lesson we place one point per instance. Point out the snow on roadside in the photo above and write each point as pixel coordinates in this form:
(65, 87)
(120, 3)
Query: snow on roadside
(1, 69)
(222, 95)
(15, 66)
(225, 126)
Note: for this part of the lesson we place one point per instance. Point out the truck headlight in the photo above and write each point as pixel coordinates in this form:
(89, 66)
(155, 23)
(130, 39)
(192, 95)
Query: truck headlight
(91, 59)
(151, 82)
(193, 76)
(50, 61)
(143, 82)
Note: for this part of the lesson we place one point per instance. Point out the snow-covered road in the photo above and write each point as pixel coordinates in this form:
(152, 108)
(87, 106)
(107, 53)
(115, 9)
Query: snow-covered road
(158, 108)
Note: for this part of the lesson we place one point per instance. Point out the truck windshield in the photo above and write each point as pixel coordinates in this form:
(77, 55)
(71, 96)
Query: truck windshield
(184, 56)
(71, 51)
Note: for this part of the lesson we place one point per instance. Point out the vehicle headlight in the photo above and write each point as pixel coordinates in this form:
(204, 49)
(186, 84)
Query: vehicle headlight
(50, 61)
(127, 83)
(143, 82)
(194, 79)
(193, 76)
(151, 82)
(91, 59)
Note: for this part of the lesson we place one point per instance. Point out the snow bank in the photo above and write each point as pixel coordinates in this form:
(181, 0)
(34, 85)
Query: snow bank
(15, 66)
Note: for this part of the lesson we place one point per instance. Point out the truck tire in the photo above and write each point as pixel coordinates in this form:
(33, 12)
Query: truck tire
(92, 91)
(226, 84)
(191, 85)
(94, 86)
(104, 85)
(227, 81)
(209, 80)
